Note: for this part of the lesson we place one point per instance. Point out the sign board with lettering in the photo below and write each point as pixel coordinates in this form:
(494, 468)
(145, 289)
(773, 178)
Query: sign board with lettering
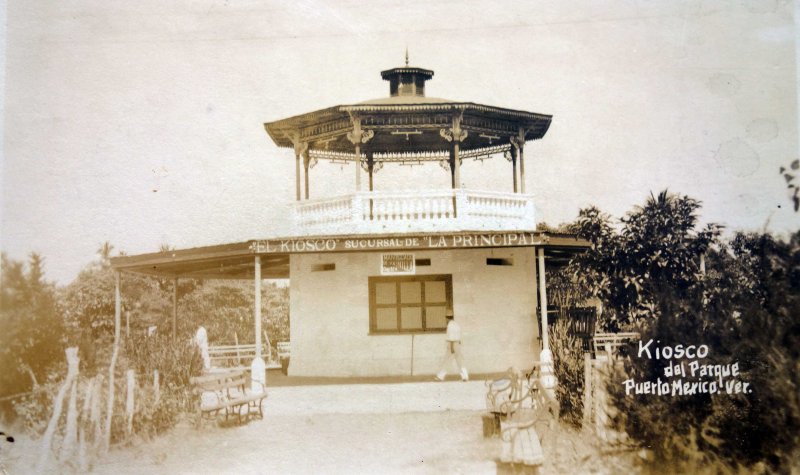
(439, 241)
(397, 264)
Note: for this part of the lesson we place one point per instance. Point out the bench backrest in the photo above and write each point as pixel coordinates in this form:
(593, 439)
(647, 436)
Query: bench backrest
(609, 343)
(284, 349)
(234, 353)
(220, 381)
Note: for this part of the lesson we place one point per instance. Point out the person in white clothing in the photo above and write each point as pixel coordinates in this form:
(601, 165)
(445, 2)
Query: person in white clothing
(201, 340)
(453, 349)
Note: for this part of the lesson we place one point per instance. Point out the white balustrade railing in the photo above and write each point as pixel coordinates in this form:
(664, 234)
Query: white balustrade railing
(409, 211)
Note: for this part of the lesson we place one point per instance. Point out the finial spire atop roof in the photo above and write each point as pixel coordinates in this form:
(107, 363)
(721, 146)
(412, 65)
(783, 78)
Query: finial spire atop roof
(407, 80)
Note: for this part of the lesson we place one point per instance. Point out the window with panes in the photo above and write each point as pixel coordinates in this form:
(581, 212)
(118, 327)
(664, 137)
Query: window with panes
(409, 304)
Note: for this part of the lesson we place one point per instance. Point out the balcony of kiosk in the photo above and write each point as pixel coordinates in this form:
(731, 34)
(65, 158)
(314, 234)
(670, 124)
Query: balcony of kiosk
(375, 212)
(408, 128)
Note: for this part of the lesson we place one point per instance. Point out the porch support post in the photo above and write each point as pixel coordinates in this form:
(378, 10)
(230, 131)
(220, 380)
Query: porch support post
(174, 308)
(258, 369)
(513, 152)
(522, 170)
(455, 135)
(258, 304)
(543, 303)
(306, 163)
(358, 167)
(358, 136)
(300, 150)
(371, 168)
(297, 175)
(518, 148)
(117, 306)
(456, 166)
(547, 377)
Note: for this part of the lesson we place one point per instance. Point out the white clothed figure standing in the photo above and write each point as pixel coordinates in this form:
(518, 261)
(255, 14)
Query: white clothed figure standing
(452, 349)
(201, 340)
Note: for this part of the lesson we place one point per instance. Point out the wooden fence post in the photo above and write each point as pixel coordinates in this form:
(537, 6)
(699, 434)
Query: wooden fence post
(112, 366)
(129, 402)
(97, 396)
(71, 429)
(85, 425)
(587, 390)
(47, 439)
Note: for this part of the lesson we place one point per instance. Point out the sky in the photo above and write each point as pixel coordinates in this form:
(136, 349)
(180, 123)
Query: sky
(141, 123)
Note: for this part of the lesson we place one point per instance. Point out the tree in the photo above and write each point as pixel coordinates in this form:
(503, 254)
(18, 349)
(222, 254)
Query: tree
(226, 311)
(33, 332)
(657, 249)
(89, 306)
(745, 307)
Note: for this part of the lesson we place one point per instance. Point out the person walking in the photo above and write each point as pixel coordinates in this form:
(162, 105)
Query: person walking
(453, 349)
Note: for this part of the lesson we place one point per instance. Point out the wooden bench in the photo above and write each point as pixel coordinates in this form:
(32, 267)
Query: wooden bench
(521, 446)
(228, 392)
(505, 396)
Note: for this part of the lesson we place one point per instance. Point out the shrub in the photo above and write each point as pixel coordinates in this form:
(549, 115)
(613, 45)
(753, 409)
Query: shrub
(31, 339)
(568, 356)
(745, 308)
(176, 362)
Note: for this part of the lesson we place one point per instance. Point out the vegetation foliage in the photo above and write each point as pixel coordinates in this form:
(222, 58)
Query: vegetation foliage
(659, 274)
(40, 320)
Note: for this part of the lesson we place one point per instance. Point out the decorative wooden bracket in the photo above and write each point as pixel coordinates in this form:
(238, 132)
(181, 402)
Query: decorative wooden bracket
(454, 133)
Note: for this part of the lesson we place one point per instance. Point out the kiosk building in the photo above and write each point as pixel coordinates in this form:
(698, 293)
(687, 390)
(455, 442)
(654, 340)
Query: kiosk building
(373, 272)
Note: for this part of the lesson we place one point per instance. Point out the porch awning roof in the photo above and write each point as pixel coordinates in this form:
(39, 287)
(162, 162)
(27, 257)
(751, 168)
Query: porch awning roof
(237, 260)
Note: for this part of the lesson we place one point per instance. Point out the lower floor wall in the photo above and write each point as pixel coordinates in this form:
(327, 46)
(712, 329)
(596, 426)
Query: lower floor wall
(333, 329)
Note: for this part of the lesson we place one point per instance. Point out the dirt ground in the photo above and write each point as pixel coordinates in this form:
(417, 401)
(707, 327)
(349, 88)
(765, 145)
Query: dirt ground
(439, 442)
(417, 427)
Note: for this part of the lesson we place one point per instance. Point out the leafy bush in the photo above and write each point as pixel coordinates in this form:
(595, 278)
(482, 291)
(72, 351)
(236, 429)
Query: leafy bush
(176, 362)
(568, 356)
(226, 312)
(31, 339)
(33, 410)
(745, 307)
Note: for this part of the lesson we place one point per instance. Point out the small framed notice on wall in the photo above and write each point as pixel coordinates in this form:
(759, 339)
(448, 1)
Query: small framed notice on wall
(397, 264)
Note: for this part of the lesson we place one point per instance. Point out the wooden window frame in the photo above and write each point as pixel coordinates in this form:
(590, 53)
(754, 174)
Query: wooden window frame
(397, 280)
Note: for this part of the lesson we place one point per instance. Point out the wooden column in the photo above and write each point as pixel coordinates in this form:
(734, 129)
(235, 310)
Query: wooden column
(257, 279)
(175, 308)
(358, 166)
(543, 303)
(358, 136)
(521, 169)
(518, 146)
(300, 151)
(117, 306)
(455, 136)
(452, 161)
(297, 158)
(514, 165)
(306, 162)
(371, 168)
(456, 164)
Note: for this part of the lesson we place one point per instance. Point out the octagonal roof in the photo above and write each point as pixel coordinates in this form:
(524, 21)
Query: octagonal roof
(407, 121)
